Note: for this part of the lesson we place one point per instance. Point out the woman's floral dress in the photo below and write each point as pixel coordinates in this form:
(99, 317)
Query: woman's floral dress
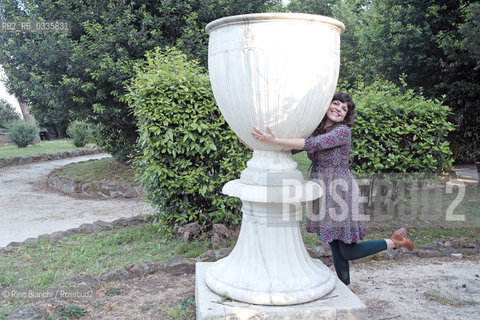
(338, 215)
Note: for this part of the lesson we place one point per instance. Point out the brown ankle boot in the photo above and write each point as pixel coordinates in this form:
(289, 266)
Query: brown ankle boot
(402, 231)
(398, 237)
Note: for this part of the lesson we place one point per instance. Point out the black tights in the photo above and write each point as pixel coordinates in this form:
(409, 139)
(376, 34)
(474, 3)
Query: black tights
(343, 252)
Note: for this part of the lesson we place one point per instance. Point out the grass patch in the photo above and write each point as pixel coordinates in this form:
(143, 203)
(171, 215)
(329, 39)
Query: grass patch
(113, 292)
(40, 265)
(72, 312)
(106, 170)
(183, 310)
(448, 300)
(303, 163)
(47, 147)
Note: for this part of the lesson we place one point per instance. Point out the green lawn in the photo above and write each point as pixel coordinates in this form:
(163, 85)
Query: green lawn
(52, 146)
(106, 170)
(303, 162)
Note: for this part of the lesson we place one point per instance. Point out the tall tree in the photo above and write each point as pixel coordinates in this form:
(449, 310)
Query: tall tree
(351, 13)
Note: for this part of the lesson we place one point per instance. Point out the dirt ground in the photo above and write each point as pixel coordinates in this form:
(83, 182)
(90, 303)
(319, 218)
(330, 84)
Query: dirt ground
(148, 297)
(419, 288)
(405, 288)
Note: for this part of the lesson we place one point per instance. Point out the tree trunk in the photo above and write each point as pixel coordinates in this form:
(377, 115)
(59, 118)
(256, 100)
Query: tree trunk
(28, 117)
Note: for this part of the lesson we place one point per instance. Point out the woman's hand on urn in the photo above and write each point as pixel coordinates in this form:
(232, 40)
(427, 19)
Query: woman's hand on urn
(267, 137)
(271, 137)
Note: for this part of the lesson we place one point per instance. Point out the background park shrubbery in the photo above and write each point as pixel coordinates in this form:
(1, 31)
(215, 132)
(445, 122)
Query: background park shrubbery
(186, 151)
(399, 131)
(22, 134)
(81, 133)
(83, 74)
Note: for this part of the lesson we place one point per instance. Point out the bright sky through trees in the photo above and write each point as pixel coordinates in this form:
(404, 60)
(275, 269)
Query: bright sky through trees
(4, 94)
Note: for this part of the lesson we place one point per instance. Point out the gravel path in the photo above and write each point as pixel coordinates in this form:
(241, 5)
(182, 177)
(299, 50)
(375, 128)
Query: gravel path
(28, 208)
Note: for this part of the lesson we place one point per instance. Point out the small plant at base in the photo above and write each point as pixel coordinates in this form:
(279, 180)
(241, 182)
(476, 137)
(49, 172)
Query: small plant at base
(187, 302)
(183, 310)
(113, 292)
(225, 297)
(435, 294)
(72, 311)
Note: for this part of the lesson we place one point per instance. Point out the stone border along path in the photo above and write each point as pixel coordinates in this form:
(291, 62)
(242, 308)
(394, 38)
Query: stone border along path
(93, 189)
(85, 228)
(28, 208)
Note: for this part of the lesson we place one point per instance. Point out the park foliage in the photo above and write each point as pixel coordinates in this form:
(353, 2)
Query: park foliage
(80, 132)
(7, 115)
(83, 74)
(399, 131)
(22, 134)
(186, 150)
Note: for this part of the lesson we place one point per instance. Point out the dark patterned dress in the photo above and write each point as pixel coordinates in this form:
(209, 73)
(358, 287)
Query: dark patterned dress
(338, 215)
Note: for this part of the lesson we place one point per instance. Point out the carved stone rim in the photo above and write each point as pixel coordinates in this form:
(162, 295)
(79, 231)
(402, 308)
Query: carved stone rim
(262, 17)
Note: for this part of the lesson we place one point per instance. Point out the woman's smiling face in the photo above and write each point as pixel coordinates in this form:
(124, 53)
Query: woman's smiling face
(336, 112)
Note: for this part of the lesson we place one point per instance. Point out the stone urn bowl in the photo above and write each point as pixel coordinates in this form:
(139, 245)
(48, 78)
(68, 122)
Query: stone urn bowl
(277, 69)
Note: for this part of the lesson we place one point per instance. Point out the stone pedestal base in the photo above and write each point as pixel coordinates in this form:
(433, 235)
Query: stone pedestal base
(340, 303)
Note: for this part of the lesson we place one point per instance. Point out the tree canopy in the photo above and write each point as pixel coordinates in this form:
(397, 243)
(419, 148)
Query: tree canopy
(432, 44)
(83, 74)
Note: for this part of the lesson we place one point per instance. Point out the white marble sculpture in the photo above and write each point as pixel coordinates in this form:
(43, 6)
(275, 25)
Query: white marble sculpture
(281, 70)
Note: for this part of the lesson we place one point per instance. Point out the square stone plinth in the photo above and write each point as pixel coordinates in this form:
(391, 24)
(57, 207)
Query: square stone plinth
(341, 303)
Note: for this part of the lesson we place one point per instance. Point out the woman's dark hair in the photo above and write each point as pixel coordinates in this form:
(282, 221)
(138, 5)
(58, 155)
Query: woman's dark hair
(349, 117)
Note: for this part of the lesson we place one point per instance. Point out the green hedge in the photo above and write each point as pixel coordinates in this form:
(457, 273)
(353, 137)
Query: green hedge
(80, 132)
(187, 152)
(397, 130)
(22, 134)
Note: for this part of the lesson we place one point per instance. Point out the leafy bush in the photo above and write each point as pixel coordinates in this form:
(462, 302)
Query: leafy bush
(22, 134)
(399, 131)
(80, 132)
(7, 114)
(187, 152)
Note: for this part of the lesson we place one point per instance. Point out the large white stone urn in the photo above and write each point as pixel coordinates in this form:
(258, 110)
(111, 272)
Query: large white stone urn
(276, 69)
